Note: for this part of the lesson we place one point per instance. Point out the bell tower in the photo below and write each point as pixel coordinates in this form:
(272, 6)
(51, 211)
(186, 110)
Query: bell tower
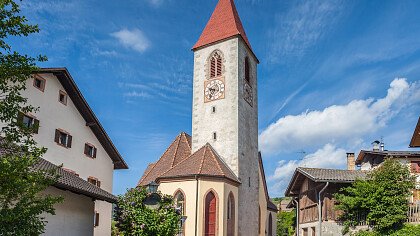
(225, 106)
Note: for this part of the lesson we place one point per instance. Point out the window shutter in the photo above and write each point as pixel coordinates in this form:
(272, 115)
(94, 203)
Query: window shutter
(213, 68)
(36, 126)
(94, 152)
(86, 149)
(57, 136)
(70, 138)
(219, 66)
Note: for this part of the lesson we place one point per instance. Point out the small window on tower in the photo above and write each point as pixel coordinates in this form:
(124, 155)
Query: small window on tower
(213, 109)
(247, 74)
(214, 136)
(215, 65)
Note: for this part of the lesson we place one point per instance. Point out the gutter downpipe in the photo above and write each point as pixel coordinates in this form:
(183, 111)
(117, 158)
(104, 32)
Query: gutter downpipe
(320, 209)
(297, 216)
(196, 204)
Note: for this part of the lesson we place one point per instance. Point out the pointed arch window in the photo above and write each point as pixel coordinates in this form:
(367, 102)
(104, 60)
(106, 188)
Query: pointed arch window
(231, 215)
(247, 73)
(180, 202)
(210, 214)
(216, 65)
(270, 225)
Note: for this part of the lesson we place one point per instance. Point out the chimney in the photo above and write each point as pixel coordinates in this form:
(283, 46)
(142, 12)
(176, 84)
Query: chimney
(351, 162)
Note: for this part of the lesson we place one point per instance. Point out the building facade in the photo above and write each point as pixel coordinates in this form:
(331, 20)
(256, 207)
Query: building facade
(75, 139)
(216, 175)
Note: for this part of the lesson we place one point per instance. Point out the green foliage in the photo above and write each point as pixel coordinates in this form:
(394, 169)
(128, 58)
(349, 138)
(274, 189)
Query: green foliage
(134, 218)
(286, 223)
(382, 197)
(20, 201)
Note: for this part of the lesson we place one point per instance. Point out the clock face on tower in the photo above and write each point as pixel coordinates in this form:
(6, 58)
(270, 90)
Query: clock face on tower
(214, 90)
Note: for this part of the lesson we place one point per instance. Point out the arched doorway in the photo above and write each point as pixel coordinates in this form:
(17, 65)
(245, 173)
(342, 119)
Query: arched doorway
(231, 215)
(210, 215)
(270, 225)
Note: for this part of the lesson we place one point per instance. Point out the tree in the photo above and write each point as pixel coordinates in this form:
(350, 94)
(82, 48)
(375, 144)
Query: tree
(134, 218)
(382, 197)
(286, 223)
(21, 203)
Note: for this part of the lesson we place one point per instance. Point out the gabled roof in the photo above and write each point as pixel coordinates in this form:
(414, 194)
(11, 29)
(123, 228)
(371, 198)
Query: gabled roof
(205, 162)
(415, 140)
(392, 154)
(322, 176)
(71, 182)
(224, 23)
(83, 107)
(270, 204)
(178, 151)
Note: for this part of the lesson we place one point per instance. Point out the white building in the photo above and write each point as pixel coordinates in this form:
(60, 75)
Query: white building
(75, 139)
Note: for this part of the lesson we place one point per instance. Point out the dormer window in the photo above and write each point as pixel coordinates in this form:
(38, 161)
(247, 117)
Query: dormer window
(215, 65)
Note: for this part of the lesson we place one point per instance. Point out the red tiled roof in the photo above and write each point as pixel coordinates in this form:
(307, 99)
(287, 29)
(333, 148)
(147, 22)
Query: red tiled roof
(204, 162)
(415, 140)
(224, 23)
(179, 150)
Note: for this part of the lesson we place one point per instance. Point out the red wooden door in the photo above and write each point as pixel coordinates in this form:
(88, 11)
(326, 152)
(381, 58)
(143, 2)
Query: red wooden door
(210, 215)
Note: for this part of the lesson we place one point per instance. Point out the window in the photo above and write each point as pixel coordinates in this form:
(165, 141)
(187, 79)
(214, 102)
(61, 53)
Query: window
(247, 74)
(39, 83)
(29, 122)
(94, 181)
(259, 219)
(305, 231)
(180, 204)
(90, 150)
(96, 219)
(62, 97)
(210, 215)
(214, 136)
(231, 215)
(215, 65)
(313, 231)
(213, 109)
(63, 138)
(270, 225)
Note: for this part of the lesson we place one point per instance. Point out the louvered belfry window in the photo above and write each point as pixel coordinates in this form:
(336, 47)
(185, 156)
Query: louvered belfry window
(215, 65)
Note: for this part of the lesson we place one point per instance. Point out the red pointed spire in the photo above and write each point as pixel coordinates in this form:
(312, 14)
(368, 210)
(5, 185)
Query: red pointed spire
(224, 23)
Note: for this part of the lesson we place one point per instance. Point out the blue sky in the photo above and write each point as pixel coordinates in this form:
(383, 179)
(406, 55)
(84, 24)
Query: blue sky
(334, 75)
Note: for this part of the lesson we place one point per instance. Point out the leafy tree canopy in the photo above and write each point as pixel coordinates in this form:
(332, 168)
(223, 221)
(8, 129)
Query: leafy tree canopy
(134, 218)
(382, 197)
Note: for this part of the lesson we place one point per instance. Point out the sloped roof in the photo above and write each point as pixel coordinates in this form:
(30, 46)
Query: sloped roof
(71, 182)
(204, 162)
(415, 140)
(83, 107)
(395, 154)
(322, 176)
(223, 23)
(178, 151)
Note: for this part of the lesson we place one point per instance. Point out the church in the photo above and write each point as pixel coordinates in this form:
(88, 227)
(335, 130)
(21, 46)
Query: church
(216, 175)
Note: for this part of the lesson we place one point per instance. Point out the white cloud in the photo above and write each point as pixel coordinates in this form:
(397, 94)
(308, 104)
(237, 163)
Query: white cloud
(327, 157)
(134, 39)
(135, 94)
(338, 122)
(155, 2)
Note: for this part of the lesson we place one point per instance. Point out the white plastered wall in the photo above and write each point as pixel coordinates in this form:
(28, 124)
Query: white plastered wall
(74, 216)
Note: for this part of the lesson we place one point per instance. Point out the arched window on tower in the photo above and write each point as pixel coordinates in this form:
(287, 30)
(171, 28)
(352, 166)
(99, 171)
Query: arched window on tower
(270, 225)
(210, 214)
(247, 73)
(231, 215)
(215, 65)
